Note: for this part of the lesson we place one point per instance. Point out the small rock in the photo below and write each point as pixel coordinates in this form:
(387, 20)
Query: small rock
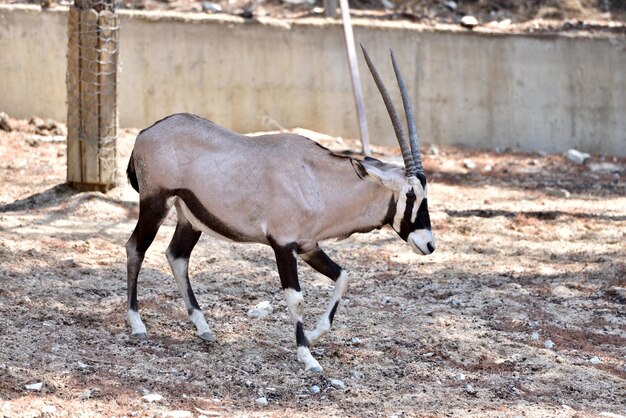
(82, 365)
(469, 22)
(387, 4)
(576, 156)
(5, 122)
(534, 336)
(455, 302)
(261, 401)
(356, 341)
(48, 409)
(428, 354)
(337, 384)
(434, 150)
(36, 387)
(595, 360)
(261, 310)
(548, 344)
(152, 397)
(355, 374)
(211, 7)
(315, 389)
(551, 191)
(459, 377)
(178, 414)
(488, 168)
(451, 5)
(469, 164)
(469, 388)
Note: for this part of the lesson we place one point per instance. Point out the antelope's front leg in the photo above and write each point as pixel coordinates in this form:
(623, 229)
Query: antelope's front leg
(288, 271)
(323, 264)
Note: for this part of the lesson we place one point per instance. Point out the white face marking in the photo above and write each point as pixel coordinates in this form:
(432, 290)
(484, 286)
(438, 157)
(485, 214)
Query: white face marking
(419, 240)
(135, 322)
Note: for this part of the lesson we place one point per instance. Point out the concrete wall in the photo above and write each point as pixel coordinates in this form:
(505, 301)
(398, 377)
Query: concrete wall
(530, 92)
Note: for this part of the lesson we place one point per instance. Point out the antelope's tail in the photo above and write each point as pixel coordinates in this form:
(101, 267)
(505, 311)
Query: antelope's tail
(131, 174)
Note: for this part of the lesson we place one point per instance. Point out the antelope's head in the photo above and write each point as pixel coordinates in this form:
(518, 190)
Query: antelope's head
(411, 220)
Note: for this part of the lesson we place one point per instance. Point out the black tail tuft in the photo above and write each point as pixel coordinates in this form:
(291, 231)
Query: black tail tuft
(130, 172)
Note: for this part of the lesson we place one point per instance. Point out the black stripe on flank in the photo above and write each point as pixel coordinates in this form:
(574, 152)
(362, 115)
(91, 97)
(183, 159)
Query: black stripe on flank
(207, 218)
(301, 340)
(332, 312)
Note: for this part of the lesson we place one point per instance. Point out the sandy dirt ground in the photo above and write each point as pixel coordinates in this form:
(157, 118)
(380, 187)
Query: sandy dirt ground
(521, 311)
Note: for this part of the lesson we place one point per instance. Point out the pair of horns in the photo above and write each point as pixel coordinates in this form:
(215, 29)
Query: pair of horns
(411, 155)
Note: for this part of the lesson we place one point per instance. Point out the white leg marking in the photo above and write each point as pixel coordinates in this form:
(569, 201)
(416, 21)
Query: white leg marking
(180, 268)
(294, 304)
(135, 322)
(197, 317)
(310, 364)
(323, 325)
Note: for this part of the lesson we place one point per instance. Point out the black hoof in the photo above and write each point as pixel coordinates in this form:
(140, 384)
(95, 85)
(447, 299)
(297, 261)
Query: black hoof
(208, 337)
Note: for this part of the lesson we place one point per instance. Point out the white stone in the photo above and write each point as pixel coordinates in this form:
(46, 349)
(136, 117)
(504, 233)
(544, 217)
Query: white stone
(548, 344)
(576, 156)
(595, 360)
(261, 310)
(469, 164)
(534, 336)
(178, 414)
(469, 388)
(34, 386)
(338, 384)
(315, 389)
(469, 21)
(152, 397)
(459, 377)
(262, 401)
(356, 341)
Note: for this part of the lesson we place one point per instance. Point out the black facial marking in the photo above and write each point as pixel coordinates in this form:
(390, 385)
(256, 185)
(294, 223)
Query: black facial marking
(208, 219)
(301, 340)
(405, 226)
(332, 312)
(422, 220)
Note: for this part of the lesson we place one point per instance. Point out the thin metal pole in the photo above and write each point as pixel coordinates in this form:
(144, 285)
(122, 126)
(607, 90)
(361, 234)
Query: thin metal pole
(330, 8)
(354, 71)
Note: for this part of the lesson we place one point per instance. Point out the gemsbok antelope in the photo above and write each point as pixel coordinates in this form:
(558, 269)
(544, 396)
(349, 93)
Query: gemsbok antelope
(282, 190)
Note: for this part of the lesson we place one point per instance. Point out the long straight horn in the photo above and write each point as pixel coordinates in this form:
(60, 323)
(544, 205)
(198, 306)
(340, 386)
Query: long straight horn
(409, 162)
(410, 120)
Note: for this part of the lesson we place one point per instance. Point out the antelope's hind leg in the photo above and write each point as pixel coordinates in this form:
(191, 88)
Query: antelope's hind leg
(178, 252)
(152, 212)
(288, 271)
(323, 264)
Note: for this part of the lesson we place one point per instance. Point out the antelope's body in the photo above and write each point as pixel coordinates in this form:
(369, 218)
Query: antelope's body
(227, 185)
(281, 190)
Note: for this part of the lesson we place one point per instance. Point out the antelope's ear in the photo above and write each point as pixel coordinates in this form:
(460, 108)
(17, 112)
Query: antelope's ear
(368, 171)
